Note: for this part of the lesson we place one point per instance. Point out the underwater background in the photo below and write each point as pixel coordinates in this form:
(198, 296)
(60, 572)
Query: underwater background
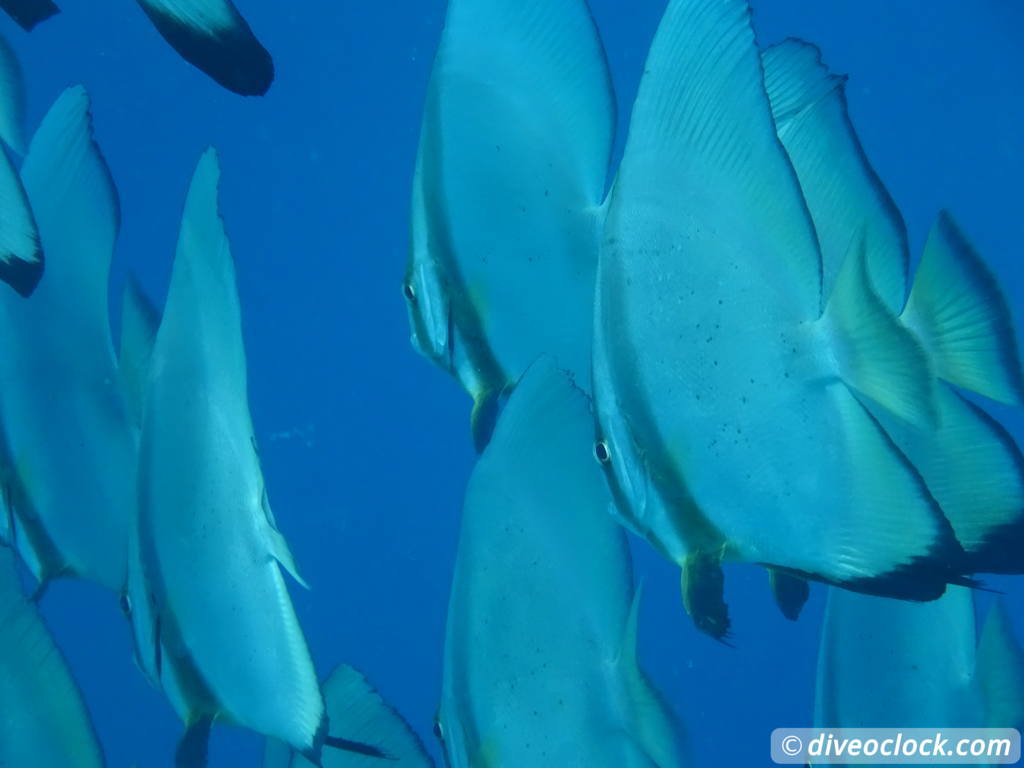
(365, 446)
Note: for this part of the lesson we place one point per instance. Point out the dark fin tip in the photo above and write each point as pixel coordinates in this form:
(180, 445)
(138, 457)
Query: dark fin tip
(236, 59)
(790, 592)
(23, 276)
(703, 586)
(194, 744)
(28, 13)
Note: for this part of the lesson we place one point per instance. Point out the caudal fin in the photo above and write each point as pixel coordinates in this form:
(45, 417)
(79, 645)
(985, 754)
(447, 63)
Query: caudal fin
(963, 319)
(364, 729)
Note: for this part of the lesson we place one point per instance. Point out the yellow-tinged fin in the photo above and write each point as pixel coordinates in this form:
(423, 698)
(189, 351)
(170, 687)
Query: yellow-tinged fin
(963, 319)
(1000, 670)
(874, 354)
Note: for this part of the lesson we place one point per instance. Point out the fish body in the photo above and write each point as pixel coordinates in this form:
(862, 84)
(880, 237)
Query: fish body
(208, 545)
(737, 381)
(69, 443)
(540, 654)
(506, 207)
(955, 310)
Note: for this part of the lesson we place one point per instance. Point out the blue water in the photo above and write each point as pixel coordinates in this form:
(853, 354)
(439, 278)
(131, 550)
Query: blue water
(365, 446)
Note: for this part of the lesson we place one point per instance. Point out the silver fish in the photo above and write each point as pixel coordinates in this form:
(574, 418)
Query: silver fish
(540, 663)
(513, 157)
(728, 382)
(223, 625)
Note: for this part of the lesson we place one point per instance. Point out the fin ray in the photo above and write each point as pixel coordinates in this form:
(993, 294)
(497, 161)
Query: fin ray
(875, 354)
(702, 127)
(843, 192)
(963, 319)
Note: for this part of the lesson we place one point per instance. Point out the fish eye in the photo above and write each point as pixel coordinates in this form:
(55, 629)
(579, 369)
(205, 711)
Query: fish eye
(126, 605)
(409, 292)
(602, 452)
(438, 730)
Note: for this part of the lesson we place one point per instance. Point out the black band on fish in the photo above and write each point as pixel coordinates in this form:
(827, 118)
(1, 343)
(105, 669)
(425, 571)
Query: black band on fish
(337, 742)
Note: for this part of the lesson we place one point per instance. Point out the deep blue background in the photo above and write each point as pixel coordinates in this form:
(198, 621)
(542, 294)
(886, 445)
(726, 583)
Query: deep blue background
(365, 446)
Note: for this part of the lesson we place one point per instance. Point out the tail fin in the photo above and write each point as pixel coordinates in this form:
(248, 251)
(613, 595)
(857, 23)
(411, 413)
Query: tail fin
(875, 355)
(963, 319)
(1001, 670)
(356, 709)
(212, 36)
